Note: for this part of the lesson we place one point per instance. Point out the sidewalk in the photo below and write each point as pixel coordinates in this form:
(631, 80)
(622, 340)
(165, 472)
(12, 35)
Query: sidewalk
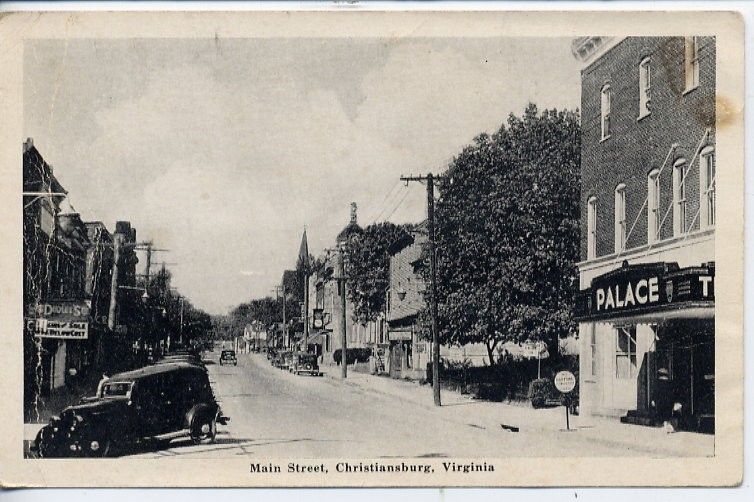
(644, 441)
(62, 397)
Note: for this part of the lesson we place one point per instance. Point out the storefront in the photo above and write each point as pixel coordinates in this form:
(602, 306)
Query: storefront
(61, 331)
(649, 330)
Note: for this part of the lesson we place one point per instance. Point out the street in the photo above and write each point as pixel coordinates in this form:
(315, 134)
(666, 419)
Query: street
(275, 414)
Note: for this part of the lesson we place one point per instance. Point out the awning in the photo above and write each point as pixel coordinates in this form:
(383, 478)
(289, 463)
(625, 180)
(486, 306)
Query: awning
(399, 335)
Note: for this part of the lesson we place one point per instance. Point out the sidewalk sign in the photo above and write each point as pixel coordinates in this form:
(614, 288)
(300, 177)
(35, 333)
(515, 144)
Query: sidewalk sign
(565, 382)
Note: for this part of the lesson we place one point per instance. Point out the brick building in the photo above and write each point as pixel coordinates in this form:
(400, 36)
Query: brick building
(98, 281)
(325, 297)
(55, 308)
(408, 350)
(646, 308)
(408, 341)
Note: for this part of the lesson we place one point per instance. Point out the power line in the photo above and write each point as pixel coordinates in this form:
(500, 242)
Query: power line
(400, 202)
(383, 204)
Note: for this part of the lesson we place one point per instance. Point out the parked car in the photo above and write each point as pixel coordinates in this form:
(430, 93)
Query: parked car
(228, 357)
(160, 401)
(178, 358)
(284, 359)
(304, 364)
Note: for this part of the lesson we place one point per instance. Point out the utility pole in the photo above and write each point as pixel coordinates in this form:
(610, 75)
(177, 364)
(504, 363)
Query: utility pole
(180, 337)
(433, 280)
(278, 289)
(342, 291)
(111, 316)
(306, 312)
(148, 264)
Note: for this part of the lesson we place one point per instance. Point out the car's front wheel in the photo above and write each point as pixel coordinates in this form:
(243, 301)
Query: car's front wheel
(203, 429)
(96, 445)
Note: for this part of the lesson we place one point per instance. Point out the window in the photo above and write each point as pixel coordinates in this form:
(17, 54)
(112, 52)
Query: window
(679, 197)
(707, 186)
(620, 218)
(691, 65)
(591, 239)
(645, 79)
(653, 206)
(625, 352)
(606, 98)
(593, 350)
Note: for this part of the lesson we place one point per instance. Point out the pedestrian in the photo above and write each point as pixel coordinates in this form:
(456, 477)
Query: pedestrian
(71, 380)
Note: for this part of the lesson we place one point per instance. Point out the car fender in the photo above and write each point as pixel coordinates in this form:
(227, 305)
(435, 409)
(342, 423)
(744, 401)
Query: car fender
(199, 410)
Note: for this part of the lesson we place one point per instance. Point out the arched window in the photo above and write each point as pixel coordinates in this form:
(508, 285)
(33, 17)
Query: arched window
(645, 80)
(591, 225)
(620, 217)
(691, 65)
(680, 204)
(653, 205)
(605, 104)
(707, 186)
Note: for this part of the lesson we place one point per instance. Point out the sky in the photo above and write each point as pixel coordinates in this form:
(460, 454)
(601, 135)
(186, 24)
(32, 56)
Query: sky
(223, 150)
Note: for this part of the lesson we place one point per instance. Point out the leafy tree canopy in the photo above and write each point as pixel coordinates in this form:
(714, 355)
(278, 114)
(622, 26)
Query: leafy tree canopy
(507, 233)
(368, 262)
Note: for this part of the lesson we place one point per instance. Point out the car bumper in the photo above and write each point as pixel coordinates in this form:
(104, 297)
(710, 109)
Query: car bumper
(309, 372)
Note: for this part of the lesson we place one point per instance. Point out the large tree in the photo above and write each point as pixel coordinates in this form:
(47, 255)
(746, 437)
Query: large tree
(368, 262)
(507, 232)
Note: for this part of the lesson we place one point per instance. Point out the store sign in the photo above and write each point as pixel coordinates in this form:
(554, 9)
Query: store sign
(62, 319)
(565, 381)
(626, 295)
(638, 288)
(535, 349)
(42, 328)
(69, 310)
(399, 335)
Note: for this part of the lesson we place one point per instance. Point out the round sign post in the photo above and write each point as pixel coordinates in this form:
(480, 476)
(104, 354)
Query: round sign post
(565, 382)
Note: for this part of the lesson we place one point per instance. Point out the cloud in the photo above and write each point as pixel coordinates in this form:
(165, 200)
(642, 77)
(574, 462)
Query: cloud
(223, 157)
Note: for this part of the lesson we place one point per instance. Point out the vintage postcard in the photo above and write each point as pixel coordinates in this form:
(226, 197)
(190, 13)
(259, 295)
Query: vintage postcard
(359, 248)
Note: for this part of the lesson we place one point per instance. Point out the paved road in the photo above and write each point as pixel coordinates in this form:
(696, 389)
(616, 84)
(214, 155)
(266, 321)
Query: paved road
(275, 414)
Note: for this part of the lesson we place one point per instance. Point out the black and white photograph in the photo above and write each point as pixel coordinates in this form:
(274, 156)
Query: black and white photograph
(407, 255)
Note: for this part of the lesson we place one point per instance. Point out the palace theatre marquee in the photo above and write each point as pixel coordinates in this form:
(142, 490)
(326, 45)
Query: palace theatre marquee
(648, 289)
(660, 366)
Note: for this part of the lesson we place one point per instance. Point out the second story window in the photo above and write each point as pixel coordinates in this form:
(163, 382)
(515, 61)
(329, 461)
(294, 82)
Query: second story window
(691, 62)
(591, 224)
(605, 104)
(653, 206)
(707, 186)
(680, 204)
(645, 80)
(620, 217)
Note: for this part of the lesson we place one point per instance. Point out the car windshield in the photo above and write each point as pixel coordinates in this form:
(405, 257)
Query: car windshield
(117, 389)
(228, 353)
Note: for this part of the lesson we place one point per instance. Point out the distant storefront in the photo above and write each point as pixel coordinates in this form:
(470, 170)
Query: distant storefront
(61, 330)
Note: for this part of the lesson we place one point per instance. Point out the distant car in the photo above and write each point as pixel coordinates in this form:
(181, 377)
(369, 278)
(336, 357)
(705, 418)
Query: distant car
(228, 357)
(305, 364)
(164, 401)
(284, 359)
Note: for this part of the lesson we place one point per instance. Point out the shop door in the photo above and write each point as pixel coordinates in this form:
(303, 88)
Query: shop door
(704, 380)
